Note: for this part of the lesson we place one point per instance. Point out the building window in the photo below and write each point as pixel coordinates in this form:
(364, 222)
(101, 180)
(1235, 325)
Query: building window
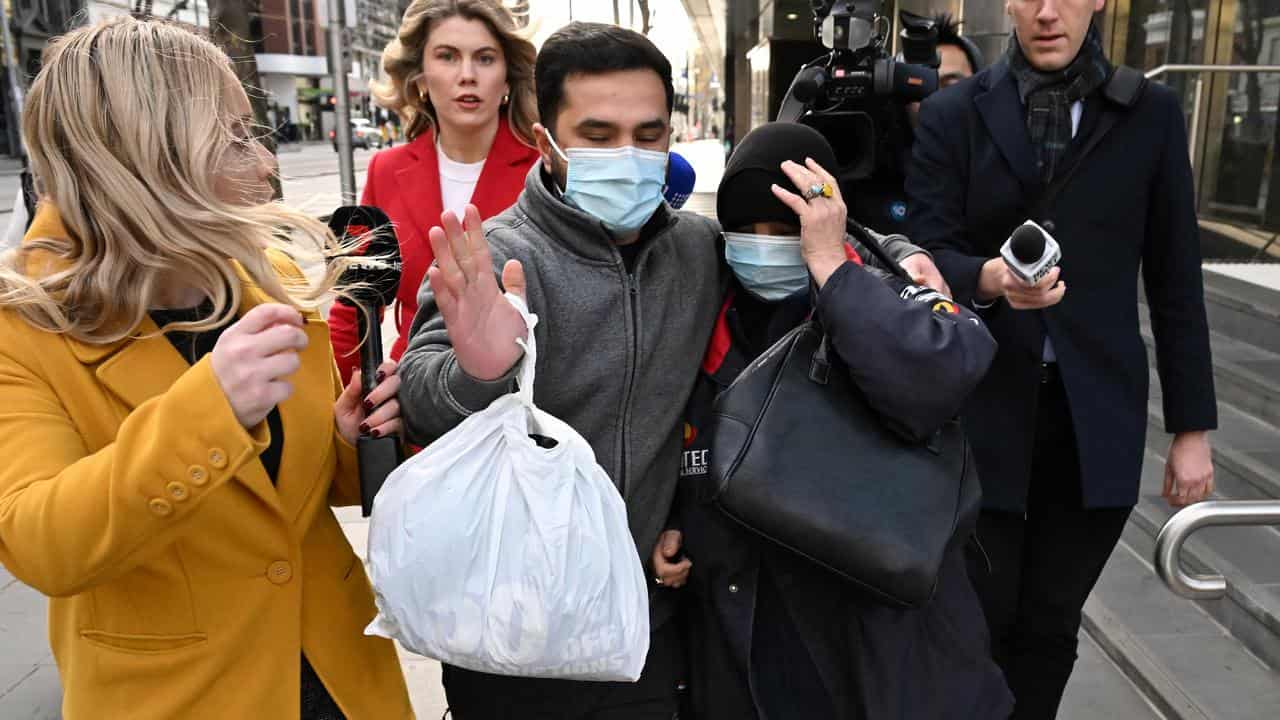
(297, 29)
(309, 25)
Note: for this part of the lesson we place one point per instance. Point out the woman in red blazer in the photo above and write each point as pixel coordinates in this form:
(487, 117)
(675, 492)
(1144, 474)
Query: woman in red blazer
(461, 80)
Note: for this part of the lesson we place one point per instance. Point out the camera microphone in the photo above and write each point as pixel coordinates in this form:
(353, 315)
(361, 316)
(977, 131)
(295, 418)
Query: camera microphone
(808, 84)
(1031, 252)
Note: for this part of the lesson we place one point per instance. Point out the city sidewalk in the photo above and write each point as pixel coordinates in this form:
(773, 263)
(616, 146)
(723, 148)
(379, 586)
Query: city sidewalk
(421, 674)
(29, 686)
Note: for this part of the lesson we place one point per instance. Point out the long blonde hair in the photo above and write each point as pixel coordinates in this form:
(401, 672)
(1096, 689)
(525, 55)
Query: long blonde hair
(128, 128)
(402, 61)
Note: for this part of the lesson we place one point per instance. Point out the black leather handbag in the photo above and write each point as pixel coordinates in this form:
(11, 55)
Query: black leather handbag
(804, 461)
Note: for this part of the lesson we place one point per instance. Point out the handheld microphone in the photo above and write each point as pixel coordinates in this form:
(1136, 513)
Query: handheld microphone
(373, 286)
(1031, 252)
(680, 181)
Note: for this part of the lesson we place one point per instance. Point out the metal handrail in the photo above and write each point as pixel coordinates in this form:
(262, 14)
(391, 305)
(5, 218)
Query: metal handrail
(1176, 68)
(1185, 522)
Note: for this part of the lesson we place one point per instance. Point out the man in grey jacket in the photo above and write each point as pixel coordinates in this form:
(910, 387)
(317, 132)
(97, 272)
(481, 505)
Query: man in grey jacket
(627, 292)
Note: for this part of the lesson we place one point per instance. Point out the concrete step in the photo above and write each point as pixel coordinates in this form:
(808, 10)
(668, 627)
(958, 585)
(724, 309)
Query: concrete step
(1100, 690)
(1245, 556)
(1245, 376)
(1243, 311)
(1246, 449)
(1248, 557)
(1247, 467)
(1185, 663)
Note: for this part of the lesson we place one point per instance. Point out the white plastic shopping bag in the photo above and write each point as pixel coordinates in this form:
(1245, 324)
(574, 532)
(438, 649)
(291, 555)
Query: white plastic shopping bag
(492, 553)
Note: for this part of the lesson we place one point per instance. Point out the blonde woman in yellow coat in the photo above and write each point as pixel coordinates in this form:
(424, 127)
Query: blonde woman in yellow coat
(172, 429)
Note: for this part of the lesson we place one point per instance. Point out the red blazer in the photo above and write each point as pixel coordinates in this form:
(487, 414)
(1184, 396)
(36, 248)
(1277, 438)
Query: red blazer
(405, 182)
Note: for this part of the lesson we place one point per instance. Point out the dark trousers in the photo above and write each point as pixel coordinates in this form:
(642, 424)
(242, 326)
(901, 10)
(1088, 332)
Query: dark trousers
(655, 696)
(1033, 573)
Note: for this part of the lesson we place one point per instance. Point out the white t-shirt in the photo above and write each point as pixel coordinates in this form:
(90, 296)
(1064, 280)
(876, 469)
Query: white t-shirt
(457, 182)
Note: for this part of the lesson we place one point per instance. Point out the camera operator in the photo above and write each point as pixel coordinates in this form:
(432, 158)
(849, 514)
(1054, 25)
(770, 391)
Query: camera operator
(862, 100)
(958, 58)
(1097, 157)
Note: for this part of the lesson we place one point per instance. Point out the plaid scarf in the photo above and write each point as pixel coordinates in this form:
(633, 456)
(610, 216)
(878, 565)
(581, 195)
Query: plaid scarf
(1048, 97)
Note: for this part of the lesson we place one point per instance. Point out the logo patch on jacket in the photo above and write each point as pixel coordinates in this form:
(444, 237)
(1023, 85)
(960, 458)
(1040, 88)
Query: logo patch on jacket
(898, 210)
(938, 302)
(693, 462)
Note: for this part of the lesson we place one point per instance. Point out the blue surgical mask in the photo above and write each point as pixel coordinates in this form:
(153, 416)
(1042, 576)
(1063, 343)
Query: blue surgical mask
(620, 187)
(770, 267)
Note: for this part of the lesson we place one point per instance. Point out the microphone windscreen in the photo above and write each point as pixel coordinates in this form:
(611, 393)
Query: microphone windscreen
(374, 283)
(680, 180)
(808, 84)
(1027, 244)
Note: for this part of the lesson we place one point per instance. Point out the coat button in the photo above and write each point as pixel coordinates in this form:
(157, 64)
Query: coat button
(198, 475)
(160, 507)
(733, 588)
(280, 572)
(178, 491)
(218, 458)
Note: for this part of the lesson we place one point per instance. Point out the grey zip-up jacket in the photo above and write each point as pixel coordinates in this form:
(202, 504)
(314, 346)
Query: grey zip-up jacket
(618, 352)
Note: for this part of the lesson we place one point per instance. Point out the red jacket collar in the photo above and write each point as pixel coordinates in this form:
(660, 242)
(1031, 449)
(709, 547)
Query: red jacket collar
(507, 148)
(504, 167)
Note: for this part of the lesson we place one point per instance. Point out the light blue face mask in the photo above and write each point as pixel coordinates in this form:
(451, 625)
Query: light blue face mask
(768, 266)
(620, 187)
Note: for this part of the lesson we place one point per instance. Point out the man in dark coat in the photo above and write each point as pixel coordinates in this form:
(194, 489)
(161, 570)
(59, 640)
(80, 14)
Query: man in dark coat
(1058, 425)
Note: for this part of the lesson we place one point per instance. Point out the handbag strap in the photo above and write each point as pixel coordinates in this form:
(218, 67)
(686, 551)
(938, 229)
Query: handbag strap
(854, 228)
(820, 365)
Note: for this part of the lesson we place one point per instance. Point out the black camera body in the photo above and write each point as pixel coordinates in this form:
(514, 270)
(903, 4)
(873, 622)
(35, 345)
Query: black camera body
(856, 95)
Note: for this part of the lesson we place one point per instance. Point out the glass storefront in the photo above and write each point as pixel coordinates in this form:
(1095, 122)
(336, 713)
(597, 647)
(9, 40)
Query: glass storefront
(1231, 115)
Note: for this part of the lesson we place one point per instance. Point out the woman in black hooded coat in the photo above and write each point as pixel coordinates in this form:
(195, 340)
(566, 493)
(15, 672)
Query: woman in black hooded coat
(772, 635)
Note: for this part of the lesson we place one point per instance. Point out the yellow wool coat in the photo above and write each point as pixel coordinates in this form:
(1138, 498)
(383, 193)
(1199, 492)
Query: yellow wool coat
(182, 583)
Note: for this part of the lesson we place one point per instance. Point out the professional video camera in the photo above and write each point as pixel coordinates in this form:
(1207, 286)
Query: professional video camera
(856, 96)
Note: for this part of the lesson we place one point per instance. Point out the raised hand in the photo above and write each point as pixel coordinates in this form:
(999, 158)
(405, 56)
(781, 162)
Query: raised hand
(822, 218)
(483, 326)
(253, 357)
